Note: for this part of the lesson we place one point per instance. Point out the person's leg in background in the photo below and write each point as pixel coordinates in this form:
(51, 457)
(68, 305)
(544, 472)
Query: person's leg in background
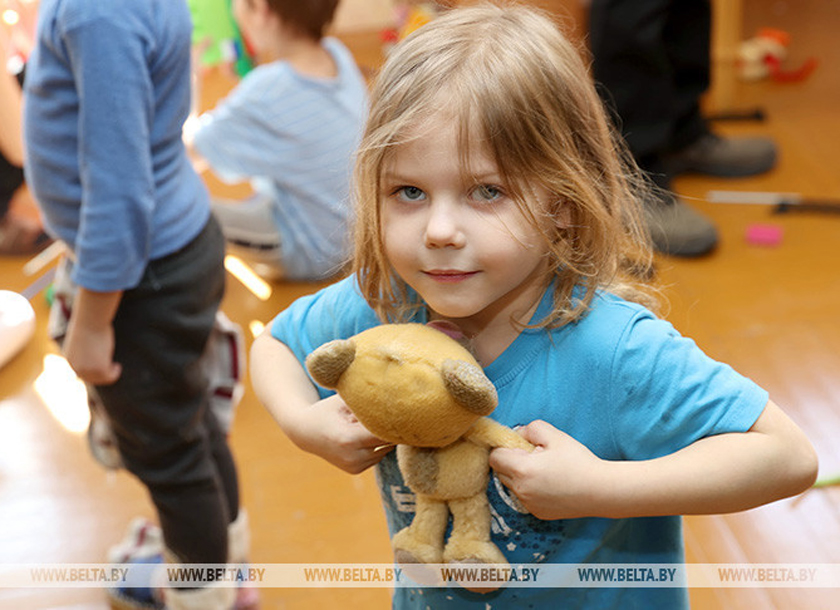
(651, 60)
(687, 42)
(166, 434)
(633, 66)
(693, 146)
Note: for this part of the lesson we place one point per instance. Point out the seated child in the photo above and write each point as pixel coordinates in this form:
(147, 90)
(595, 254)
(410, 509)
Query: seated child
(290, 127)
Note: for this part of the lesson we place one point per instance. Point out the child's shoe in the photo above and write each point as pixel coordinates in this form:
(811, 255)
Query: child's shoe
(207, 598)
(143, 544)
(239, 548)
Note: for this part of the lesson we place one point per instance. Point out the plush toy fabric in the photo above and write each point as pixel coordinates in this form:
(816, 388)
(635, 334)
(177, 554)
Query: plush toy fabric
(416, 387)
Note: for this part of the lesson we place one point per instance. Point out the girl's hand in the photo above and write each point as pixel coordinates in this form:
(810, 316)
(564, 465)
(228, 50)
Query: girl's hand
(717, 474)
(558, 480)
(330, 430)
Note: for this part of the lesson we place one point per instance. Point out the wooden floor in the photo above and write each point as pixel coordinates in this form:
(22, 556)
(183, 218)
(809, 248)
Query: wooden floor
(772, 312)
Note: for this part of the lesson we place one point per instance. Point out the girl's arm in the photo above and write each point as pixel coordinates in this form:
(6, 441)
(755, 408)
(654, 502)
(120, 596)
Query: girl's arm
(325, 427)
(717, 474)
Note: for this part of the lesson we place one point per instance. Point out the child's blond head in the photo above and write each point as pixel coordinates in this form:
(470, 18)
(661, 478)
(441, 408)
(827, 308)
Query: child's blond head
(516, 84)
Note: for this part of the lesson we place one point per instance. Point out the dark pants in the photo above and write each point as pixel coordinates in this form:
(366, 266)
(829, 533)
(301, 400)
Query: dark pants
(11, 176)
(167, 435)
(11, 179)
(652, 64)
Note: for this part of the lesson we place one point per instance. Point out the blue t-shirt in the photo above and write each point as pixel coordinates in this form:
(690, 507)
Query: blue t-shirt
(620, 381)
(294, 138)
(107, 92)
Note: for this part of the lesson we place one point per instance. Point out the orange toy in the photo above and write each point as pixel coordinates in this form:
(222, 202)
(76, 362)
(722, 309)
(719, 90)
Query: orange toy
(762, 57)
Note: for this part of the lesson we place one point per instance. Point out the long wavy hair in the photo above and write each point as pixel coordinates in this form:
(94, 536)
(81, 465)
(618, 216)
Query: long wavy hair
(509, 73)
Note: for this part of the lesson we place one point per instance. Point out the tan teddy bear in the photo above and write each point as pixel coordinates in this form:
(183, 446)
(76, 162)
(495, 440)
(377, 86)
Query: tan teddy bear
(416, 387)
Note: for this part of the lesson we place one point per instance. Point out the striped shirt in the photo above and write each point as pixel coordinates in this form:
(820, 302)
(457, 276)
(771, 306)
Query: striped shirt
(294, 138)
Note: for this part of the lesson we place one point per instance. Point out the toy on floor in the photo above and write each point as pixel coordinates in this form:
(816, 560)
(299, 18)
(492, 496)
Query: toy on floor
(416, 387)
(762, 56)
(17, 324)
(762, 234)
(783, 203)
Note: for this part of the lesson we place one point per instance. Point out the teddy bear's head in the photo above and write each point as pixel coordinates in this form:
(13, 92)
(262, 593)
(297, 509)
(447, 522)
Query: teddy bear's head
(406, 383)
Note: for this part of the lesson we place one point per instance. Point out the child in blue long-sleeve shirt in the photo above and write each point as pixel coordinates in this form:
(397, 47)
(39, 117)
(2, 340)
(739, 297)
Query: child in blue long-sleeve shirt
(107, 93)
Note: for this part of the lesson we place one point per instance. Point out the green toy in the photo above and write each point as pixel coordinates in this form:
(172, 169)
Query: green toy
(215, 28)
(828, 481)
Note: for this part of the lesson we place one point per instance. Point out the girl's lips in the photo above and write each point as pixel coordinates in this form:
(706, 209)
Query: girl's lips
(449, 275)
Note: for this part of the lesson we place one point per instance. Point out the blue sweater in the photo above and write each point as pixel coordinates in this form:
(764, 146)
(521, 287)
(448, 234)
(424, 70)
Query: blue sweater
(107, 92)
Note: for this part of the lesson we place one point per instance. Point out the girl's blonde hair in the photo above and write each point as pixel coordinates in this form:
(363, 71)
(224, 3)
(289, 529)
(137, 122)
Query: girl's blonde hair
(509, 73)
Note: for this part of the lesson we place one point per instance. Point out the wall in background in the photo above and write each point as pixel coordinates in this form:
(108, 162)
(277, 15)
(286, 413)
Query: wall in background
(363, 15)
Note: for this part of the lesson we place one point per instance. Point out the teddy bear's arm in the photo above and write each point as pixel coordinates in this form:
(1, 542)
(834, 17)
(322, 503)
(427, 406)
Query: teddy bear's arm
(489, 433)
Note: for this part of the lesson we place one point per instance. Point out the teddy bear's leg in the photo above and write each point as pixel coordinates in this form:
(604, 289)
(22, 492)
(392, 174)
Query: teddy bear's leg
(422, 541)
(469, 541)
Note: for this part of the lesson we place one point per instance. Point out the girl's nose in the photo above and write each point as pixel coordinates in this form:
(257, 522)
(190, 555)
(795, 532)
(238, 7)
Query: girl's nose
(444, 226)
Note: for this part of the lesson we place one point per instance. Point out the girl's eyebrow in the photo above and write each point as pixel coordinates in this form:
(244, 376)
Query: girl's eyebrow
(483, 169)
(392, 176)
(486, 174)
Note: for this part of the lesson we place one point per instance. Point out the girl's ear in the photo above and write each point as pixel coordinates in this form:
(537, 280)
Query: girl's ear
(562, 214)
(261, 6)
(259, 9)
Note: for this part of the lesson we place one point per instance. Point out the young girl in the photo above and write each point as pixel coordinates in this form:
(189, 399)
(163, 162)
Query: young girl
(491, 194)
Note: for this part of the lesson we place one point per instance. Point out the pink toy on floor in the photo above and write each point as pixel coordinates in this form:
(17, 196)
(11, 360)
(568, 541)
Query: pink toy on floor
(764, 235)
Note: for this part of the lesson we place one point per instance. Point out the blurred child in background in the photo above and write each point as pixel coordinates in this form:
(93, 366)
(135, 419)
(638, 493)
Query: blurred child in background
(106, 96)
(291, 128)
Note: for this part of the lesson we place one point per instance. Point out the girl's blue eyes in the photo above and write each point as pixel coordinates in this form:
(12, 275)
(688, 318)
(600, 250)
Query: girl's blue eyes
(410, 193)
(482, 193)
(485, 192)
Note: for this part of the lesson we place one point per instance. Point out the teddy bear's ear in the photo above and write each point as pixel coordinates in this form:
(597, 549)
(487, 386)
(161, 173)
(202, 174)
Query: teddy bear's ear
(327, 363)
(469, 386)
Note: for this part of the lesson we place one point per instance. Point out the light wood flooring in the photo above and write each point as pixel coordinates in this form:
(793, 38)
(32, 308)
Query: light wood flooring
(771, 312)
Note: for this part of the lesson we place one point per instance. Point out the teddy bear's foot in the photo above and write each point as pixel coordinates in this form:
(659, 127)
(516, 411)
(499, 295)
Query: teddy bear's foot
(474, 552)
(410, 548)
(412, 556)
(421, 573)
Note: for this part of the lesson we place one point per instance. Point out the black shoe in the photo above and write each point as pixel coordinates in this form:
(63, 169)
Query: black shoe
(676, 229)
(727, 157)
